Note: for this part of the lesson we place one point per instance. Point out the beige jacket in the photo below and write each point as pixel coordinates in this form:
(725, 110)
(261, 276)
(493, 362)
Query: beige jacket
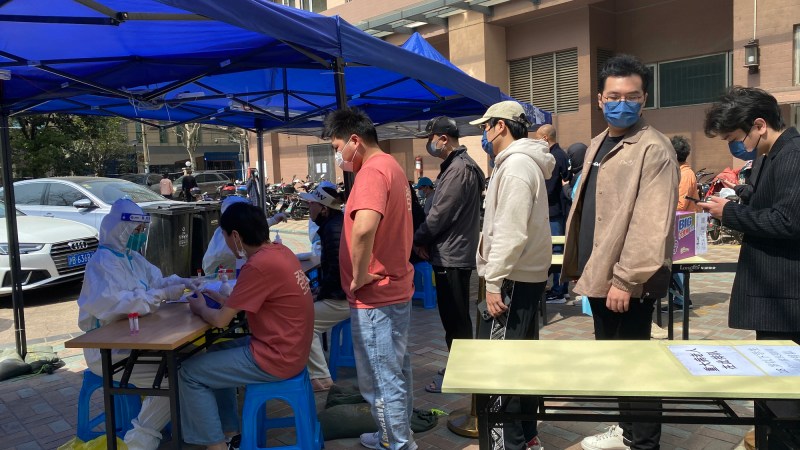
(515, 241)
(637, 187)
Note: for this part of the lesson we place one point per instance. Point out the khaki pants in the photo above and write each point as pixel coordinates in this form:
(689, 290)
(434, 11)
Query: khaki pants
(327, 313)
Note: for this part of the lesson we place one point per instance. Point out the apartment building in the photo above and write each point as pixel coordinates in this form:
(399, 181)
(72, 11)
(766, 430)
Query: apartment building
(548, 52)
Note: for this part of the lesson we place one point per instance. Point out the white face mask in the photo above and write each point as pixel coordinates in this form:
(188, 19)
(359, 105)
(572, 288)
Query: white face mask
(346, 166)
(240, 251)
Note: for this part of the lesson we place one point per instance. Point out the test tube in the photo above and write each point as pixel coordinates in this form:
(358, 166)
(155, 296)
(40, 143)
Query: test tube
(136, 323)
(131, 323)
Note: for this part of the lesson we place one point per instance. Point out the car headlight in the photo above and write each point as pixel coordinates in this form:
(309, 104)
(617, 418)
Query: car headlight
(23, 248)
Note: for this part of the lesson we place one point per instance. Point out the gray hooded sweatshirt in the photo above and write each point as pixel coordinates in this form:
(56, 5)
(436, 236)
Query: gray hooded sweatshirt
(515, 240)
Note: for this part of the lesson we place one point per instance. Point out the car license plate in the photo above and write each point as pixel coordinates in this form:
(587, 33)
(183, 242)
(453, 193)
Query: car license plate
(79, 259)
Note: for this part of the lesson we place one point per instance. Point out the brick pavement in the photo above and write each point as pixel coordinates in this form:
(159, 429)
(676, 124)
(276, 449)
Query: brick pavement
(40, 411)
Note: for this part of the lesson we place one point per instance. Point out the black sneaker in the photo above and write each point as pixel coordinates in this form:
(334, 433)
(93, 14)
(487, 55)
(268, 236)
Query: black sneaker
(555, 299)
(235, 442)
(675, 307)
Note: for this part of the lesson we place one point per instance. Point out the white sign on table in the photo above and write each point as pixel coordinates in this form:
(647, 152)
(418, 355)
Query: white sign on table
(716, 360)
(775, 360)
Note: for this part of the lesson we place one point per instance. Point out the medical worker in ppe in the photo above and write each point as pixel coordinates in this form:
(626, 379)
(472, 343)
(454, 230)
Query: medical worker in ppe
(119, 281)
(218, 254)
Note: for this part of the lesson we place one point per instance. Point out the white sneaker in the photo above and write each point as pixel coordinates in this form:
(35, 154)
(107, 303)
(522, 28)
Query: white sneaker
(372, 440)
(610, 440)
(657, 332)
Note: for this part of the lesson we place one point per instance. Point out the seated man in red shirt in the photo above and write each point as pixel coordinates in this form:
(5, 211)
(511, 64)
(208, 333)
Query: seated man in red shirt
(274, 292)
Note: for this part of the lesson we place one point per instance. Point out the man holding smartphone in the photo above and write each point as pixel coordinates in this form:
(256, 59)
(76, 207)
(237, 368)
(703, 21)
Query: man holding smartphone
(515, 249)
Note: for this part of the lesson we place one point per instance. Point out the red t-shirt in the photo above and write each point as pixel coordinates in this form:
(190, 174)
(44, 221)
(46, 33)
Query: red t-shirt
(381, 186)
(275, 293)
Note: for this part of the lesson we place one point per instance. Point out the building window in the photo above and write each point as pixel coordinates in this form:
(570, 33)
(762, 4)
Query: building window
(162, 135)
(692, 81)
(547, 81)
(314, 5)
(797, 55)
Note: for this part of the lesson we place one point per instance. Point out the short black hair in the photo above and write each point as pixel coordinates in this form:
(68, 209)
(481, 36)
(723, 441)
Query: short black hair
(164, 175)
(681, 146)
(738, 108)
(517, 129)
(342, 123)
(248, 220)
(623, 65)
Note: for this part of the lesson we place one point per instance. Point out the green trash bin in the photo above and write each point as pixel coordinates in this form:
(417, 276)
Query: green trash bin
(205, 223)
(169, 238)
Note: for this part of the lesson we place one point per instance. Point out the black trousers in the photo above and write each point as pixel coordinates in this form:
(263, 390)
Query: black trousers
(520, 323)
(781, 408)
(631, 325)
(452, 298)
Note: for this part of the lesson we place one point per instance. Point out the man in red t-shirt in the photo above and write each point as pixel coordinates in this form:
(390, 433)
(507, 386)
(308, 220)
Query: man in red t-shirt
(376, 275)
(276, 297)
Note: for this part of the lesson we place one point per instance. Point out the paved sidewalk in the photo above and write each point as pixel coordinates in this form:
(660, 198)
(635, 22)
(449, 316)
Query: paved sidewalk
(40, 411)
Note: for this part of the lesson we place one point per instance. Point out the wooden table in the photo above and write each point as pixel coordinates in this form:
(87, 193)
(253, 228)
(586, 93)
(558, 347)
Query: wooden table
(164, 333)
(569, 373)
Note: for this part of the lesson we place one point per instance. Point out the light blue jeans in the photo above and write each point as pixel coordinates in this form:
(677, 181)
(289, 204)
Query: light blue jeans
(380, 338)
(208, 383)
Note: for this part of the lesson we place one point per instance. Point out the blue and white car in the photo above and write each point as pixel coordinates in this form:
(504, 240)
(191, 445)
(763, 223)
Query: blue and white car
(82, 199)
(51, 250)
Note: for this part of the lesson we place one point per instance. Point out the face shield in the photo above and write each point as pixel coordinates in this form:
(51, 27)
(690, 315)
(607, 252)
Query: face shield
(134, 233)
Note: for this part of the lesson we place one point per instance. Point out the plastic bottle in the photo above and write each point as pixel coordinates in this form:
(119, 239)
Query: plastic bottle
(277, 239)
(224, 289)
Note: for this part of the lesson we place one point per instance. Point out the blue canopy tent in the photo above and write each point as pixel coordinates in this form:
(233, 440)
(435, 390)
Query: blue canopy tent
(245, 63)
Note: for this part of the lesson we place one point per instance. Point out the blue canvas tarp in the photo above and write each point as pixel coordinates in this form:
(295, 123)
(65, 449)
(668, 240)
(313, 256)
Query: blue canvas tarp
(256, 65)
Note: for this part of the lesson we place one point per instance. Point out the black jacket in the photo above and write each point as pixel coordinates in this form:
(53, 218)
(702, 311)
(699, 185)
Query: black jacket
(766, 290)
(555, 199)
(330, 233)
(452, 226)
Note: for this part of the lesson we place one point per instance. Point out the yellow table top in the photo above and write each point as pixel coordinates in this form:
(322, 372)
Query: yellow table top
(172, 326)
(557, 240)
(598, 368)
(717, 254)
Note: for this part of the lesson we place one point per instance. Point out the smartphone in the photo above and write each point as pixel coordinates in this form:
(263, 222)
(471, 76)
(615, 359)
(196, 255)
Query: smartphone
(691, 199)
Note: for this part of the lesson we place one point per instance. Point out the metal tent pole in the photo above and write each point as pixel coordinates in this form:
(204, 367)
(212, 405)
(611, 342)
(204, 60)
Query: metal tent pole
(18, 304)
(261, 169)
(341, 103)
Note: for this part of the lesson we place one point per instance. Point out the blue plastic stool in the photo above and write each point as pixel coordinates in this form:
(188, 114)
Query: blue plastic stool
(126, 408)
(424, 285)
(297, 393)
(341, 348)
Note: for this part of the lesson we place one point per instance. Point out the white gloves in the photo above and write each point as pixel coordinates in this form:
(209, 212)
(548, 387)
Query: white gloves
(172, 292)
(192, 283)
(277, 218)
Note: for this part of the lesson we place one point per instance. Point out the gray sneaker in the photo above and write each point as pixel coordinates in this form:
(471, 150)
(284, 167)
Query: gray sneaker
(373, 440)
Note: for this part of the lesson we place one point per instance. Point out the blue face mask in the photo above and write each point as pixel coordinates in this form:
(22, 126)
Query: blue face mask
(738, 150)
(488, 148)
(621, 114)
(136, 241)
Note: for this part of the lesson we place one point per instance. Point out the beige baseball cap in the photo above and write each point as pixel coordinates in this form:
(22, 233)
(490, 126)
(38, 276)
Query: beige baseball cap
(507, 110)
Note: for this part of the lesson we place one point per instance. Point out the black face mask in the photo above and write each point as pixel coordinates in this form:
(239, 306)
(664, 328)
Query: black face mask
(321, 219)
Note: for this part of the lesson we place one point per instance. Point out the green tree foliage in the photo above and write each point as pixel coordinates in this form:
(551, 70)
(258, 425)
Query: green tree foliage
(57, 144)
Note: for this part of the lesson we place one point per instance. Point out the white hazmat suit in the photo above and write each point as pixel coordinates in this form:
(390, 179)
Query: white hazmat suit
(119, 281)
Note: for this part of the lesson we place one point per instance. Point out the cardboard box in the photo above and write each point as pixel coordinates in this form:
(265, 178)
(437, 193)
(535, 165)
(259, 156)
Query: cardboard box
(690, 235)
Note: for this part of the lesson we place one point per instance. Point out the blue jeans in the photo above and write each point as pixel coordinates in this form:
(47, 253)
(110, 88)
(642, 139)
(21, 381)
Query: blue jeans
(557, 229)
(208, 383)
(380, 338)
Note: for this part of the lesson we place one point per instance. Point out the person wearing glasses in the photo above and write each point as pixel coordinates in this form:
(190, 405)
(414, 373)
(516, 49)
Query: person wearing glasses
(620, 230)
(515, 250)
